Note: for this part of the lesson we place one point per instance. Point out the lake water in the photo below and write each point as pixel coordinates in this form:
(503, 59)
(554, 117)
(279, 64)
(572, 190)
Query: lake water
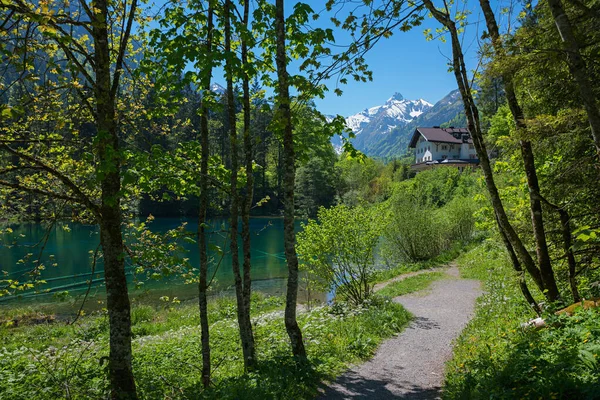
(68, 260)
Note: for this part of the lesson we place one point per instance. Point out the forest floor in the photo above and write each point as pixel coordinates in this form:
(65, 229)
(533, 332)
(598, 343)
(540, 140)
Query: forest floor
(411, 365)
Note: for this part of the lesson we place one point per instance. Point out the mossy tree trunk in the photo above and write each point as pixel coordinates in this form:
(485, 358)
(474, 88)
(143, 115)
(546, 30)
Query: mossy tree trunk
(578, 68)
(122, 384)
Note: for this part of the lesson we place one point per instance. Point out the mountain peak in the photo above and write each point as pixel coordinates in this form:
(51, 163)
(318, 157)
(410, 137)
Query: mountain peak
(216, 88)
(385, 130)
(397, 96)
(397, 111)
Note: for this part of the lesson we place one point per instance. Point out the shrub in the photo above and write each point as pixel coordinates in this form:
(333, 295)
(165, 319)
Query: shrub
(338, 251)
(142, 313)
(413, 231)
(460, 220)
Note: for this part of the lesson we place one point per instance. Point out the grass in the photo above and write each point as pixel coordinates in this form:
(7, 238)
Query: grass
(448, 255)
(495, 358)
(47, 360)
(410, 284)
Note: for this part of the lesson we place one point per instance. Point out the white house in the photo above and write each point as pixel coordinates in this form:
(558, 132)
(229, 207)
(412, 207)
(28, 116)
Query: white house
(443, 146)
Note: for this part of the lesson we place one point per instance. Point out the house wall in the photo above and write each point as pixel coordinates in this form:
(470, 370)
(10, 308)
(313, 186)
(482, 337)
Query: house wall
(429, 151)
(467, 152)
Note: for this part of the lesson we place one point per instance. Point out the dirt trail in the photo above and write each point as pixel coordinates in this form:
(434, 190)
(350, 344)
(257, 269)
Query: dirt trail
(411, 365)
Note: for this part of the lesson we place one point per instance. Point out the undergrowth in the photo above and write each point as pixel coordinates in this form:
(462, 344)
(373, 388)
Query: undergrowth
(494, 358)
(69, 361)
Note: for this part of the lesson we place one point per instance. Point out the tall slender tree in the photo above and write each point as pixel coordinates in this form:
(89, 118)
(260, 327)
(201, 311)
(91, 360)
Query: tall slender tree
(474, 126)
(284, 123)
(537, 219)
(204, 188)
(245, 37)
(243, 311)
(100, 64)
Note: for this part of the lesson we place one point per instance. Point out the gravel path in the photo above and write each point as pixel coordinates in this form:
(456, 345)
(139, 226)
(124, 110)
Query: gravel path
(411, 365)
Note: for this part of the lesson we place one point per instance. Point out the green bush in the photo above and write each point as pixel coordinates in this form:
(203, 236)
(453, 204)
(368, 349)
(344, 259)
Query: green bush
(413, 232)
(460, 219)
(142, 313)
(338, 251)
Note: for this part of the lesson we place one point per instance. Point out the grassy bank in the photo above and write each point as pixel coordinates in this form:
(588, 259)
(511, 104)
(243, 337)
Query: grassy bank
(410, 284)
(445, 257)
(495, 358)
(55, 360)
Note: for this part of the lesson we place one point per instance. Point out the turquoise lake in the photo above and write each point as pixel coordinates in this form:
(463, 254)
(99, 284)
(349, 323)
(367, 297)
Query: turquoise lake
(69, 250)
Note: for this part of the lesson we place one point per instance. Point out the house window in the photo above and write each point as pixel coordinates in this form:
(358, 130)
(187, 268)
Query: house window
(444, 147)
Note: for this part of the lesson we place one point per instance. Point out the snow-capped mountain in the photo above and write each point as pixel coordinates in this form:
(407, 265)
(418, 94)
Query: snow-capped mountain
(216, 88)
(384, 131)
(395, 112)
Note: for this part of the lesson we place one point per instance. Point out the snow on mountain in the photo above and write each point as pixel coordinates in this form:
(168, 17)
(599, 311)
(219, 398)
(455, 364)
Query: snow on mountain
(385, 130)
(216, 88)
(356, 121)
(381, 119)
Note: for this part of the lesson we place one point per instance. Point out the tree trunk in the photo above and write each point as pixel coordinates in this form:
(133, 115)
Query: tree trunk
(565, 221)
(537, 220)
(474, 127)
(247, 282)
(122, 384)
(520, 274)
(284, 119)
(243, 316)
(203, 207)
(578, 68)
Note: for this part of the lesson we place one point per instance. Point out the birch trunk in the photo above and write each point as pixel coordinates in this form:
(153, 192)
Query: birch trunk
(243, 316)
(249, 352)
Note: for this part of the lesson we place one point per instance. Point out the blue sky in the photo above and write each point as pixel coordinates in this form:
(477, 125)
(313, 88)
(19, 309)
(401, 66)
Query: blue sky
(405, 63)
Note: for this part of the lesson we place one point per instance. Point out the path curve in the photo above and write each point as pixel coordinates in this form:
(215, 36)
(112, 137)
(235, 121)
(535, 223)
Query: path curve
(411, 365)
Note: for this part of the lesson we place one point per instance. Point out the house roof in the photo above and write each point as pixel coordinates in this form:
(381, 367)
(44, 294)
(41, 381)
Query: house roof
(441, 135)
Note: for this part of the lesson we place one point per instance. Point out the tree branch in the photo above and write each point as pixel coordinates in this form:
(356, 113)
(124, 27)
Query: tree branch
(39, 191)
(123, 49)
(83, 198)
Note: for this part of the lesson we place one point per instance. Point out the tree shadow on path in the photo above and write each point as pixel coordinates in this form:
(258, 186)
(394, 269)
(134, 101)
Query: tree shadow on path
(353, 386)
